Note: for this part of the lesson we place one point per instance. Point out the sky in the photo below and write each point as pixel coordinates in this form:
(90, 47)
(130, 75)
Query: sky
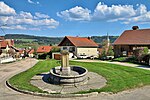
(58, 18)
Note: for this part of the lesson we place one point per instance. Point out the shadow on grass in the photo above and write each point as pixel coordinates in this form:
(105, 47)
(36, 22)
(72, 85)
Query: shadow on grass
(45, 78)
(143, 66)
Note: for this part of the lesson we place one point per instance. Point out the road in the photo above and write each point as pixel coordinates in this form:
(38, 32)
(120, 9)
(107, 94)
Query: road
(8, 70)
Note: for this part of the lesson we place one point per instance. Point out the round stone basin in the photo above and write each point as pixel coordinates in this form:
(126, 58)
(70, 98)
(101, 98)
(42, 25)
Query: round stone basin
(77, 76)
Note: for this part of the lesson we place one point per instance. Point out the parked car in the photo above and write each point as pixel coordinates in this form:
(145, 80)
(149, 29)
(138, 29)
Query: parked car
(107, 58)
(82, 56)
(93, 57)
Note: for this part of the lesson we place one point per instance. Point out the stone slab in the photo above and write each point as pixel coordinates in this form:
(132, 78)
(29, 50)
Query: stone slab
(95, 81)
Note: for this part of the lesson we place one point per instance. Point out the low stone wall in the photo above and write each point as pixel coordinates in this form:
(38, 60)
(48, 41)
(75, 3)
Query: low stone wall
(50, 95)
(69, 80)
(7, 60)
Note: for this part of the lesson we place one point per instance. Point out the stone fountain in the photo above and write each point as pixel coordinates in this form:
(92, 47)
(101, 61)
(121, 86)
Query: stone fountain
(68, 75)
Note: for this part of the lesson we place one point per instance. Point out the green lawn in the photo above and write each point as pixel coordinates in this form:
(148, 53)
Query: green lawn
(26, 40)
(118, 77)
(22, 80)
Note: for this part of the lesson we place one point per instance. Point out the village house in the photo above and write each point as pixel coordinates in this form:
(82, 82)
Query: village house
(31, 53)
(7, 48)
(78, 46)
(43, 50)
(131, 40)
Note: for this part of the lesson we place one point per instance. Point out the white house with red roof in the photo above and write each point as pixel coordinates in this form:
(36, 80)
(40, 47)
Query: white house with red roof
(79, 46)
(7, 47)
(31, 53)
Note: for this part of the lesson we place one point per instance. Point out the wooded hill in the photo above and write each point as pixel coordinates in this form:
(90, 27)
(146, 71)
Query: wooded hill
(41, 40)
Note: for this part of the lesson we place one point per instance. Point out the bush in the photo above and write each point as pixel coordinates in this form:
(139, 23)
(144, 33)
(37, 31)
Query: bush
(120, 59)
(139, 53)
(44, 55)
(131, 59)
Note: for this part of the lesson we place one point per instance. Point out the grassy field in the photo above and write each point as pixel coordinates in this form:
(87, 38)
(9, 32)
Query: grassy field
(26, 40)
(22, 80)
(118, 77)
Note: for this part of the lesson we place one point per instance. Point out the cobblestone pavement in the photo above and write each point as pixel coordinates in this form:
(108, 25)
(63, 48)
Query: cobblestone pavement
(95, 81)
(8, 70)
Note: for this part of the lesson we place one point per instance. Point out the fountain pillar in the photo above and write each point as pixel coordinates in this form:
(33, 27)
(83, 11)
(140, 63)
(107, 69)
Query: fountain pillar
(66, 74)
(65, 69)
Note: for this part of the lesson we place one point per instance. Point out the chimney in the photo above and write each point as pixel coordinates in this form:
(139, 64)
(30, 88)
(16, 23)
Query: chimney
(135, 27)
(89, 37)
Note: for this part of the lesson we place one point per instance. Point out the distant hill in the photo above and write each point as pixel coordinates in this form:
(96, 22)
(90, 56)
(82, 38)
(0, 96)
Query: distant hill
(29, 40)
(99, 39)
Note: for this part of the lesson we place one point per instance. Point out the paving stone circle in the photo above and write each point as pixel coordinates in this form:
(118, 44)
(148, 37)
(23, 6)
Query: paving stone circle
(95, 81)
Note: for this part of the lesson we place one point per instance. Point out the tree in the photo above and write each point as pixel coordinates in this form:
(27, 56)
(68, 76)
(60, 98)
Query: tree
(110, 51)
(139, 53)
(55, 49)
(106, 51)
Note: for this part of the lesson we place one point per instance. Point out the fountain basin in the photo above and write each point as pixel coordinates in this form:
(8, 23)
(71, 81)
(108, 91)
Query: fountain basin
(77, 76)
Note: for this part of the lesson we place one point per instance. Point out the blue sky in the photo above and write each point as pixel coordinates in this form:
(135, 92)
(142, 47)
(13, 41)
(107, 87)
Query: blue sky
(73, 17)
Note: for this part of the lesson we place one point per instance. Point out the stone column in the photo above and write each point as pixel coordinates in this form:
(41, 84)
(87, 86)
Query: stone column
(65, 62)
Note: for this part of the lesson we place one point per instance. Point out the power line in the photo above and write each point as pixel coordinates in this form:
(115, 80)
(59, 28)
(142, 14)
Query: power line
(2, 29)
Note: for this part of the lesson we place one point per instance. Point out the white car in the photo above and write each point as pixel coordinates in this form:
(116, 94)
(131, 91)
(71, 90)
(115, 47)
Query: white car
(82, 56)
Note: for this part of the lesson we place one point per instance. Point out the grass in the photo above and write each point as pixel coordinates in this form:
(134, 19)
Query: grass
(120, 59)
(26, 40)
(118, 77)
(22, 80)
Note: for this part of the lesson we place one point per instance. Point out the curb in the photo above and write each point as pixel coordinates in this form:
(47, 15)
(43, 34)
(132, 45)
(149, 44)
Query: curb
(51, 95)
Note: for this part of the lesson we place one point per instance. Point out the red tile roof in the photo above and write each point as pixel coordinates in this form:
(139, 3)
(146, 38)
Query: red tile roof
(134, 37)
(3, 44)
(44, 49)
(79, 42)
(31, 51)
(6, 42)
(21, 51)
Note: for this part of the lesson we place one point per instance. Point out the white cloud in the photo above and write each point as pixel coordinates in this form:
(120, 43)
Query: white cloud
(6, 10)
(141, 9)
(103, 11)
(123, 13)
(142, 19)
(37, 2)
(30, 1)
(25, 15)
(15, 27)
(26, 21)
(77, 13)
(39, 15)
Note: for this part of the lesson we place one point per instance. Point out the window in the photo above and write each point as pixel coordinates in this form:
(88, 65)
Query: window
(64, 48)
(71, 49)
(68, 44)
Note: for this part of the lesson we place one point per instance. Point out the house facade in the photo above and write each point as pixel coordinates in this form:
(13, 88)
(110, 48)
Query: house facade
(7, 48)
(42, 51)
(131, 40)
(79, 46)
(31, 53)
